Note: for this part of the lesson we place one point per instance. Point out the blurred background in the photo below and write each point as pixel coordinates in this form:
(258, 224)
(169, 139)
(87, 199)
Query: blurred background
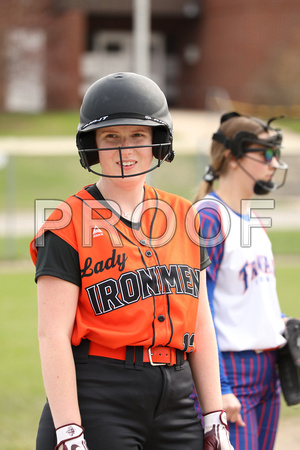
(209, 57)
(202, 53)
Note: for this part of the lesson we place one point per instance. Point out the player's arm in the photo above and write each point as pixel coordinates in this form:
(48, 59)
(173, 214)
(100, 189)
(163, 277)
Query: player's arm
(205, 371)
(57, 302)
(204, 362)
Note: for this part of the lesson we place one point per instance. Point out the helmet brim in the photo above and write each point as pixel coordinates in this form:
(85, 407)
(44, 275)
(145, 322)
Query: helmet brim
(121, 120)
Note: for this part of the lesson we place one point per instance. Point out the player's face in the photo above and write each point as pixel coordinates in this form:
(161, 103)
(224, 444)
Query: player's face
(131, 149)
(255, 163)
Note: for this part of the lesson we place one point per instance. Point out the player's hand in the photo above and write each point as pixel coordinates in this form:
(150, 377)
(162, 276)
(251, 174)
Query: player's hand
(216, 434)
(232, 406)
(70, 437)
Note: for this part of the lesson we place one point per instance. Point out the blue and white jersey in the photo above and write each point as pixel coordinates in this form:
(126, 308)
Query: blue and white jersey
(241, 280)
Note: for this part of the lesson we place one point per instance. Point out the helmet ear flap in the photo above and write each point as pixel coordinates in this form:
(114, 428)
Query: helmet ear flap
(161, 136)
(87, 141)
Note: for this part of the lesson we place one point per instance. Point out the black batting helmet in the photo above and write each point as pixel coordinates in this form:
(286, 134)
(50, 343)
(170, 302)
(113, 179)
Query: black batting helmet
(124, 99)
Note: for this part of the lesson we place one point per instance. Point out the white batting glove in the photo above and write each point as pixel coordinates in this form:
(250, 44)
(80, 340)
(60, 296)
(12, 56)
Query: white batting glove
(216, 434)
(70, 437)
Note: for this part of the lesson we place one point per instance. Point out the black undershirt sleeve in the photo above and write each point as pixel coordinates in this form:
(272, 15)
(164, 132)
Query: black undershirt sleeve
(58, 259)
(204, 258)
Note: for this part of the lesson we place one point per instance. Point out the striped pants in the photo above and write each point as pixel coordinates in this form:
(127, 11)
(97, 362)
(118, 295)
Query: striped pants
(254, 381)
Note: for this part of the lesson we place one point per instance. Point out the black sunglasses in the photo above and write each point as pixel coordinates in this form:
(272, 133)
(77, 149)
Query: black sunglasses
(269, 153)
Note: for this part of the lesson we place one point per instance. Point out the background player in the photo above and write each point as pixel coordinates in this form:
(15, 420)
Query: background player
(241, 281)
(124, 294)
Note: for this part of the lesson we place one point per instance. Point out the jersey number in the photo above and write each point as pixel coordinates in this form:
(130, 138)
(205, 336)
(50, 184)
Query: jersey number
(188, 343)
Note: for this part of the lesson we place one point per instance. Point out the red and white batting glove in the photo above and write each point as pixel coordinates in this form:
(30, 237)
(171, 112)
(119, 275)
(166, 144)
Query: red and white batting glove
(216, 434)
(70, 437)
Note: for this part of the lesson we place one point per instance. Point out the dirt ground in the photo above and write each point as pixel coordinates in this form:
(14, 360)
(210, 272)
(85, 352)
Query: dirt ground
(288, 436)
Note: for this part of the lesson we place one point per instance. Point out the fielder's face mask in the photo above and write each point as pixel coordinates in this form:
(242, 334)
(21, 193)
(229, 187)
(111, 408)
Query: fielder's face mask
(239, 147)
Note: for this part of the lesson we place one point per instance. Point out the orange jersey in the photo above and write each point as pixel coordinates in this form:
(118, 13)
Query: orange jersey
(139, 287)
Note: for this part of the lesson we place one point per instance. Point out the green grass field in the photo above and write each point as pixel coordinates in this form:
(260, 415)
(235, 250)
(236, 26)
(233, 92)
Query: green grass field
(21, 388)
(57, 123)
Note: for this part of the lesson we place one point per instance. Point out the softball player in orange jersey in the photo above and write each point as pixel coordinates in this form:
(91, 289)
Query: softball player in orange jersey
(124, 322)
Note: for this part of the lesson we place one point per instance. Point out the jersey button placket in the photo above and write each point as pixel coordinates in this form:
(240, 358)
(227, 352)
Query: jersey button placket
(161, 318)
(148, 253)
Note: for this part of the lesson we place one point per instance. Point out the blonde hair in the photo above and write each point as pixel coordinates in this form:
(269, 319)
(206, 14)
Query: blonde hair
(219, 156)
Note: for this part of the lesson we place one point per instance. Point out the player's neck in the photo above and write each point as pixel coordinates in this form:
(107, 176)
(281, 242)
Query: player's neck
(233, 197)
(127, 195)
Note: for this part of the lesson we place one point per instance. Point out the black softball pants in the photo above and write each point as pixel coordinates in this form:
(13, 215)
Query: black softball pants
(122, 409)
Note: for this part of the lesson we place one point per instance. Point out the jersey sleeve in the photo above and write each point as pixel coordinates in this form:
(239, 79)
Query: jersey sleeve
(58, 259)
(213, 236)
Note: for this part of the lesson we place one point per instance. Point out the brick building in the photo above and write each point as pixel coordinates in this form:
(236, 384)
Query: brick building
(203, 52)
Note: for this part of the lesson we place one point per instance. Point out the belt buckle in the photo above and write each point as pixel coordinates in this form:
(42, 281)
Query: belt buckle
(153, 363)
